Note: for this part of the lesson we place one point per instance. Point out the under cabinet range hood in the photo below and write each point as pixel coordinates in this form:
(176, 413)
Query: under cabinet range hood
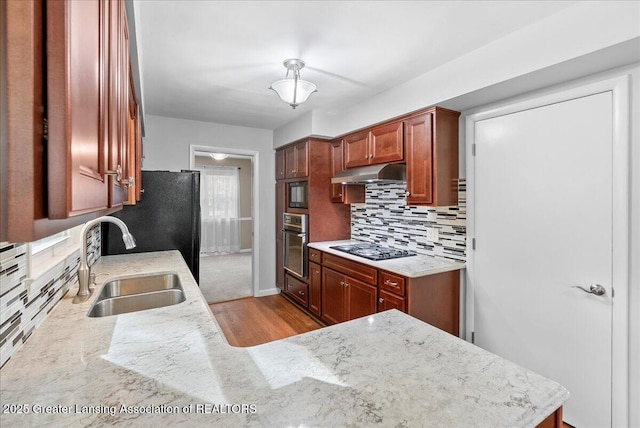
(383, 173)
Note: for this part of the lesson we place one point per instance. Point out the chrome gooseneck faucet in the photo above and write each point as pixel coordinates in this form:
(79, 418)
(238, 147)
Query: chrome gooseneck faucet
(84, 271)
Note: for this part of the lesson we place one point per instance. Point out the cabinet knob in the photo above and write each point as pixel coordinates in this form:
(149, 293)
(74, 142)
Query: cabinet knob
(301, 293)
(408, 193)
(381, 300)
(342, 283)
(346, 284)
(339, 195)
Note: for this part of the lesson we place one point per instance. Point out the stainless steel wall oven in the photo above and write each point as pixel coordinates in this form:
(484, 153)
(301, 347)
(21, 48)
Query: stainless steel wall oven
(294, 239)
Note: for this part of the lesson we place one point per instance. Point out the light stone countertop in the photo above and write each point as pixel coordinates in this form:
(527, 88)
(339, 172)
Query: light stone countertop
(411, 267)
(385, 370)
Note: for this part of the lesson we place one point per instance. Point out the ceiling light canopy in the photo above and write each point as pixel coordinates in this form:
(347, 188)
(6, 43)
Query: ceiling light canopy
(219, 156)
(293, 90)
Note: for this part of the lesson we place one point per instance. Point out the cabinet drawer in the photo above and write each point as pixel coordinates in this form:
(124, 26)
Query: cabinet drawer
(298, 290)
(388, 301)
(392, 283)
(315, 255)
(353, 269)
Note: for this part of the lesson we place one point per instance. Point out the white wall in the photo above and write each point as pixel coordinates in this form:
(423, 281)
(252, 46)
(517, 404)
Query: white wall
(576, 31)
(166, 147)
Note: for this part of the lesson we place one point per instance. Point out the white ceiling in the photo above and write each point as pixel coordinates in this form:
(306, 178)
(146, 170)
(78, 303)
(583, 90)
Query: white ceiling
(214, 60)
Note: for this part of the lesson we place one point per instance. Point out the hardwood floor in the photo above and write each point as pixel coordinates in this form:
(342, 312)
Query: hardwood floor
(256, 320)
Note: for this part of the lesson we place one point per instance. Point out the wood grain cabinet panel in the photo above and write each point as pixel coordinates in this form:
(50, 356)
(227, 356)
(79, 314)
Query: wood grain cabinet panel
(333, 297)
(361, 298)
(62, 59)
(296, 159)
(280, 171)
(388, 301)
(342, 193)
(386, 143)
(297, 290)
(77, 62)
(315, 288)
(356, 149)
(380, 144)
(431, 155)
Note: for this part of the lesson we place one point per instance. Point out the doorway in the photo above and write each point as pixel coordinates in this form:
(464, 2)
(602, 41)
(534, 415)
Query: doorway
(548, 187)
(226, 204)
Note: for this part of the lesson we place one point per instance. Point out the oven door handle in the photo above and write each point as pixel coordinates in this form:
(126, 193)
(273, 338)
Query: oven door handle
(304, 237)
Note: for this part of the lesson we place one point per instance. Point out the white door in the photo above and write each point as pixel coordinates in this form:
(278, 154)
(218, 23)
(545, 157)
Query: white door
(543, 225)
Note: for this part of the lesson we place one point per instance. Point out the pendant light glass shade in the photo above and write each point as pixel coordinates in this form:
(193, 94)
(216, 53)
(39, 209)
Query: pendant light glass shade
(293, 90)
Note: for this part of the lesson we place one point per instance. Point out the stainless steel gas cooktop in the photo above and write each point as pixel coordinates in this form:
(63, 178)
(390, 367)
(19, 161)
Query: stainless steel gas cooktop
(373, 251)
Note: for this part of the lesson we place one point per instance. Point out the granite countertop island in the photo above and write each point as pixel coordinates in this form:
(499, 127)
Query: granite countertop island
(411, 267)
(172, 366)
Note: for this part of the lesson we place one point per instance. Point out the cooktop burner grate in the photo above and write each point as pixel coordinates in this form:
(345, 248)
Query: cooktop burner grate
(373, 251)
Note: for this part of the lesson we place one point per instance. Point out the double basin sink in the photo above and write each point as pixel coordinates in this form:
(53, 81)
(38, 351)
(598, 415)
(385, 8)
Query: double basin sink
(137, 293)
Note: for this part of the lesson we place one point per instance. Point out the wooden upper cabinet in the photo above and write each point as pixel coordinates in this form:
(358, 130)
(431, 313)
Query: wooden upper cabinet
(431, 154)
(296, 160)
(419, 157)
(280, 171)
(77, 61)
(356, 149)
(386, 143)
(337, 165)
(381, 144)
(118, 104)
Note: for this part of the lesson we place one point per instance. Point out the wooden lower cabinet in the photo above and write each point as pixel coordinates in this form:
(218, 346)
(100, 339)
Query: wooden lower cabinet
(297, 290)
(315, 288)
(345, 298)
(333, 297)
(350, 289)
(388, 301)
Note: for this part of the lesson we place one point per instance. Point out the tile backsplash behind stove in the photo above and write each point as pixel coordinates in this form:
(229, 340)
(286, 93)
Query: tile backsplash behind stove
(385, 219)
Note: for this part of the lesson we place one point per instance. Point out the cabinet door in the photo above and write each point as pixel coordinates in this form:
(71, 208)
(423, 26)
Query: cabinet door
(361, 298)
(333, 297)
(118, 82)
(356, 149)
(315, 285)
(77, 62)
(280, 165)
(302, 160)
(337, 165)
(386, 144)
(290, 162)
(419, 158)
(388, 301)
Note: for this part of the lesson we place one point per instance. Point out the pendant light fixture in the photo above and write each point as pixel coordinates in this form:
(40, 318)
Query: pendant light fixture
(293, 90)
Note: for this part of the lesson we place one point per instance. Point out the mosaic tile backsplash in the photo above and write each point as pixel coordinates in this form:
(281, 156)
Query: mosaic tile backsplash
(385, 219)
(23, 307)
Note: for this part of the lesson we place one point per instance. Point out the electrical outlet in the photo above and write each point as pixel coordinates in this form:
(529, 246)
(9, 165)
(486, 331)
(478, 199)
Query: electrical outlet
(432, 234)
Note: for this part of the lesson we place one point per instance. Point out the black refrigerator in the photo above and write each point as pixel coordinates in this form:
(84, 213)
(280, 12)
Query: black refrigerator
(166, 218)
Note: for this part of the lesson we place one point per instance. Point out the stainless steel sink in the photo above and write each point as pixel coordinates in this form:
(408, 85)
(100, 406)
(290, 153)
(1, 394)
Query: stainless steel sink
(137, 293)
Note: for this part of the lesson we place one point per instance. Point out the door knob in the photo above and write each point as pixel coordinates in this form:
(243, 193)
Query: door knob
(596, 289)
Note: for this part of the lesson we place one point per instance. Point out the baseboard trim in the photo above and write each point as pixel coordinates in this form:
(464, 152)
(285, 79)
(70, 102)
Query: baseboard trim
(267, 292)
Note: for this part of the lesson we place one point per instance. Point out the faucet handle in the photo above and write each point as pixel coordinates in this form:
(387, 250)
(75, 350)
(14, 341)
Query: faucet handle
(92, 279)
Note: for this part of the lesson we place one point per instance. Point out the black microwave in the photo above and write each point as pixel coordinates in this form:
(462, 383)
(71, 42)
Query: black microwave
(298, 194)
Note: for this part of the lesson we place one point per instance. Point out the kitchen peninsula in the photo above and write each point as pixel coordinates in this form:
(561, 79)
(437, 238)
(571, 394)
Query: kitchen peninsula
(173, 366)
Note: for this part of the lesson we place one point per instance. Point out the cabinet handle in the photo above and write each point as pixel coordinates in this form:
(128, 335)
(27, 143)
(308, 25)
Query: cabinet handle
(342, 283)
(339, 195)
(346, 284)
(301, 293)
(391, 283)
(381, 300)
(408, 193)
(117, 173)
